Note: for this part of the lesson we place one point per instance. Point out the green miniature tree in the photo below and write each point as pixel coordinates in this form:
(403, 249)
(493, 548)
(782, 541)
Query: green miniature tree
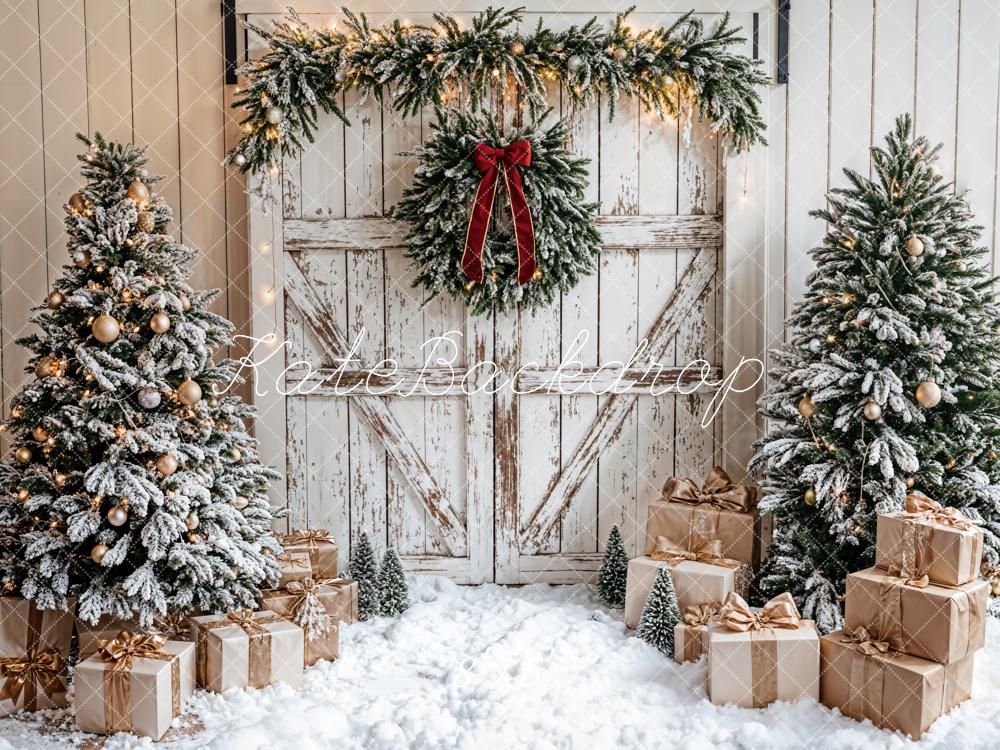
(394, 596)
(661, 614)
(364, 570)
(614, 568)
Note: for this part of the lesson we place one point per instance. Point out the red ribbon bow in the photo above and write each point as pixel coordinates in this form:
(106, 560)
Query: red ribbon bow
(494, 164)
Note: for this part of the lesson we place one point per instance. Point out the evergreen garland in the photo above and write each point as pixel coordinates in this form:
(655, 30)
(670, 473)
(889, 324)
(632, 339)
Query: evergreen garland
(660, 613)
(394, 595)
(364, 570)
(613, 571)
(675, 72)
(901, 296)
(436, 206)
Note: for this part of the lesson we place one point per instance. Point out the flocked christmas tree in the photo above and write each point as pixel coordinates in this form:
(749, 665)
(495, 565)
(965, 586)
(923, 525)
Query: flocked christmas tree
(394, 596)
(132, 488)
(614, 568)
(364, 570)
(660, 613)
(889, 380)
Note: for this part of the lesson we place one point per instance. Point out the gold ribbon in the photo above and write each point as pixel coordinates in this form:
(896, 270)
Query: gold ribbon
(862, 641)
(919, 507)
(25, 674)
(258, 648)
(718, 490)
(696, 619)
(311, 537)
(118, 653)
(307, 597)
(699, 614)
(709, 551)
(915, 554)
(173, 625)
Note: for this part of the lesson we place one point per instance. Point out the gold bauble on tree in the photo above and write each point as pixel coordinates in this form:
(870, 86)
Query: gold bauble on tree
(240, 502)
(55, 299)
(40, 434)
(185, 302)
(77, 203)
(809, 496)
(160, 322)
(189, 392)
(138, 192)
(117, 516)
(145, 221)
(98, 552)
(81, 258)
(46, 367)
(995, 587)
(166, 464)
(23, 455)
(620, 54)
(806, 407)
(105, 328)
(914, 246)
(872, 410)
(517, 48)
(928, 394)
(192, 521)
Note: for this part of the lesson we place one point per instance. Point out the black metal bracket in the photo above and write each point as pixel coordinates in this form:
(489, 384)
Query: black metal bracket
(784, 10)
(229, 39)
(756, 36)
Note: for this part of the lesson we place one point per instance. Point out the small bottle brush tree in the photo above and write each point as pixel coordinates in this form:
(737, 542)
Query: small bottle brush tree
(613, 571)
(888, 382)
(132, 488)
(660, 614)
(394, 596)
(364, 570)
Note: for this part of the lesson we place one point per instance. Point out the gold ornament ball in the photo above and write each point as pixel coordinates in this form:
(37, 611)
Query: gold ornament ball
(46, 367)
(40, 434)
(160, 322)
(81, 258)
(194, 538)
(235, 455)
(185, 302)
(23, 454)
(117, 516)
(928, 394)
(166, 464)
(620, 54)
(146, 221)
(809, 496)
(192, 522)
(806, 407)
(274, 115)
(914, 246)
(55, 299)
(995, 587)
(138, 192)
(98, 552)
(77, 203)
(240, 161)
(517, 48)
(240, 502)
(105, 328)
(574, 62)
(189, 392)
(872, 411)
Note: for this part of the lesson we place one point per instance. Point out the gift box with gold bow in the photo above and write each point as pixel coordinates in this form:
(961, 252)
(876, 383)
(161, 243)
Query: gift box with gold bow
(294, 565)
(321, 547)
(691, 633)
(718, 509)
(34, 648)
(939, 623)
(247, 649)
(756, 658)
(105, 629)
(929, 541)
(700, 575)
(314, 606)
(134, 683)
(864, 678)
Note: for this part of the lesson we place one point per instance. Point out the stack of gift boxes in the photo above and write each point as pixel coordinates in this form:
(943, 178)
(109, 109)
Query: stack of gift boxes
(136, 680)
(912, 623)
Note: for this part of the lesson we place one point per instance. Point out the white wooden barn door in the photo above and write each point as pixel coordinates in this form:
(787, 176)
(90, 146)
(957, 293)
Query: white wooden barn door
(506, 487)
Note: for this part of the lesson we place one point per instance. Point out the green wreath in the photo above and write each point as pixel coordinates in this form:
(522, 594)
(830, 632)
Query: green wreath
(438, 203)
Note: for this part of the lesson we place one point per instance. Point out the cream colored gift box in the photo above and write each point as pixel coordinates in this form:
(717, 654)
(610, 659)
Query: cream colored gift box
(695, 582)
(34, 643)
(775, 658)
(105, 629)
(691, 633)
(247, 649)
(150, 693)
(321, 547)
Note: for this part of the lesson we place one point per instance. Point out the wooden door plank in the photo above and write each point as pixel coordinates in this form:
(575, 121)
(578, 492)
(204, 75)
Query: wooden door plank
(894, 64)
(690, 287)
(109, 68)
(507, 426)
(480, 510)
(937, 77)
(851, 35)
(377, 413)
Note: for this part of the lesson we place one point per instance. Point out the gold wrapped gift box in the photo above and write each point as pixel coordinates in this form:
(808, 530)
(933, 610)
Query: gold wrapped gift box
(321, 548)
(939, 623)
(34, 649)
(294, 565)
(865, 679)
(247, 649)
(929, 542)
(315, 607)
(134, 683)
(691, 633)
(755, 659)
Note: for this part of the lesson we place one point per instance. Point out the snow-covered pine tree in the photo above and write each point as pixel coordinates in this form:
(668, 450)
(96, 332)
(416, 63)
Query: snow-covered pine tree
(614, 568)
(364, 570)
(888, 382)
(660, 613)
(132, 487)
(394, 595)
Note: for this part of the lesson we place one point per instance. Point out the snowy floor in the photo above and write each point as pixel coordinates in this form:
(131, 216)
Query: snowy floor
(489, 667)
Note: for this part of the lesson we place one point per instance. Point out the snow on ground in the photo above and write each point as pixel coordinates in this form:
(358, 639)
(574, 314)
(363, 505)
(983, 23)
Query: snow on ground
(492, 667)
